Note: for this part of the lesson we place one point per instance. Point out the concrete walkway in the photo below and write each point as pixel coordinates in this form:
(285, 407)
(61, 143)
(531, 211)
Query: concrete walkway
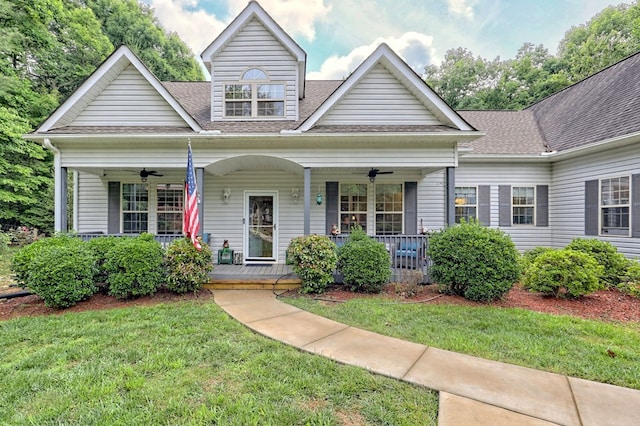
(473, 391)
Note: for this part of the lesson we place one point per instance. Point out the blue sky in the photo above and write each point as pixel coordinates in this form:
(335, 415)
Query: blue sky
(339, 34)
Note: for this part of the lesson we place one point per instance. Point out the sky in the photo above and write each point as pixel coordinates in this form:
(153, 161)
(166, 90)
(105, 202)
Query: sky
(339, 34)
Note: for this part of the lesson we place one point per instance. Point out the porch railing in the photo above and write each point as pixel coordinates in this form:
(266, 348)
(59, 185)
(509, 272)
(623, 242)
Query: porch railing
(164, 240)
(406, 253)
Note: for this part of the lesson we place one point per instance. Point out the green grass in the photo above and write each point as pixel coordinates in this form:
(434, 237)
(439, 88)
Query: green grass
(184, 363)
(560, 344)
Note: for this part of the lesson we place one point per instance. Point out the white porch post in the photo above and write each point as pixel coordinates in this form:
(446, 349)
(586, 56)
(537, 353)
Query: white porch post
(60, 189)
(450, 195)
(307, 201)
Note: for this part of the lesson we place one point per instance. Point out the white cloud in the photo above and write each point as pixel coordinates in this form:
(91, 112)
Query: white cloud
(414, 48)
(461, 7)
(196, 27)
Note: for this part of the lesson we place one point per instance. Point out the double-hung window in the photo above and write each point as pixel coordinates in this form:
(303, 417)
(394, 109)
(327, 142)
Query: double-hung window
(523, 202)
(389, 206)
(255, 95)
(353, 206)
(466, 203)
(170, 208)
(135, 208)
(614, 206)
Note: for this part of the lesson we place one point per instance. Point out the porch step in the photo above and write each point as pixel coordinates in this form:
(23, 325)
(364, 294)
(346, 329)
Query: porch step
(252, 284)
(252, 277)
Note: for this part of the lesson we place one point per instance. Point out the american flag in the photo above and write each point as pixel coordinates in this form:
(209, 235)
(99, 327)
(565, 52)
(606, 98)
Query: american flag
(191, 225)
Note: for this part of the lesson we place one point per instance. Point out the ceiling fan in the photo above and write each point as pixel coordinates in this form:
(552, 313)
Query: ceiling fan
(144, 174)
(375, 172)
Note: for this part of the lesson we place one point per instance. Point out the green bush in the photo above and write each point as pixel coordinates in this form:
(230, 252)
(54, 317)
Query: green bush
(134, 267)
(630, 283)
(5, 239)
(473, 261)
(606, 254)
(564, 273)
(187, 268)
(100, 246)
(313, 258)
(22, 261)
(529, 256)
(364, 263)
(63, 274)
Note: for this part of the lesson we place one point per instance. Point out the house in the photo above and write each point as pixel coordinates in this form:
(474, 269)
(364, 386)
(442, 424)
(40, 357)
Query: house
(278, 156)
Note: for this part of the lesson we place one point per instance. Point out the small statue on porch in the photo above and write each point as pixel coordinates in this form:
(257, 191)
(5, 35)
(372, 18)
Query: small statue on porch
(225, 244)
(334, 229)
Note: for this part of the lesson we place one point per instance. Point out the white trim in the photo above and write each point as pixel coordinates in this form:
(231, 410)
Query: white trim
(533, 205)
(629, 205)
(384, 54)
(246, 222)
(113, 61)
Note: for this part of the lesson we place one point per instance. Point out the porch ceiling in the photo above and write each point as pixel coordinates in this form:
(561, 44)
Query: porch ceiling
(253, 162)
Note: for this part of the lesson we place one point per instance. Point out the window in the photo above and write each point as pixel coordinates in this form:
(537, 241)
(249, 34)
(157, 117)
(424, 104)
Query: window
(523, 204)
(170, 208)
(389, 209)
(466, 201)
(254, 96)
(614, 206)
(353, 206)
(135, 204)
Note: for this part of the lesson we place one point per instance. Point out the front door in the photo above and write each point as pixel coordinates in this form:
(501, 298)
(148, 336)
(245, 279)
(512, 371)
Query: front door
(260, 234)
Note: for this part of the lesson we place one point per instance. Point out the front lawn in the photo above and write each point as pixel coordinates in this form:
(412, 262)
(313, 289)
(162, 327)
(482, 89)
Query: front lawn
(593, 350)
(184, 363)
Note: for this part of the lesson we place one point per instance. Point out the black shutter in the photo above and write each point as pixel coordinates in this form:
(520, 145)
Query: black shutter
(635, 205)
(504, 200)
(113, 208)
(331, 205)
(484, 205)
(542, 205)
(591, 207)
(411, 208)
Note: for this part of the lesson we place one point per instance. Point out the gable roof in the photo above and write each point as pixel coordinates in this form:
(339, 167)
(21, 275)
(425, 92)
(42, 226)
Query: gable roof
(122, 60)
(386, 57)
(255, 11)
(601, 107)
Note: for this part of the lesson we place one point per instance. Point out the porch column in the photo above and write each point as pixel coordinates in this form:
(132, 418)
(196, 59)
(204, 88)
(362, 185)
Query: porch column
(60, 223)
(307, 200)
(200, 185)
(450, 195)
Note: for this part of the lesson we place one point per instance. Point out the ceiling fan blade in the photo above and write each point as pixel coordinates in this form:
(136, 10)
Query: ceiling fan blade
(385, 173)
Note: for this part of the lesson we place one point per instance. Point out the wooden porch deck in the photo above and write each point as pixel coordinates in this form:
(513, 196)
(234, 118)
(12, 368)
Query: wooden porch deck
(252, 277)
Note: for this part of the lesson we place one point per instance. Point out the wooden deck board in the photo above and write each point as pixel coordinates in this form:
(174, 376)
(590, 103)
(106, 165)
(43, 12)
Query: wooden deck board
(275, 276)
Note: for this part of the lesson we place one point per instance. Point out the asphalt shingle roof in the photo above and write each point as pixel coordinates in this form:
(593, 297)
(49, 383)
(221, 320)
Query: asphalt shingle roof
(597, 108)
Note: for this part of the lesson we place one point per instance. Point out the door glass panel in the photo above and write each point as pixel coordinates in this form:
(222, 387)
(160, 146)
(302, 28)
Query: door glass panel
(261, 226)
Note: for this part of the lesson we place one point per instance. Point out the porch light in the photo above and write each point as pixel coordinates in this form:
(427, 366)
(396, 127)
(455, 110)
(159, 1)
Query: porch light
(294, 194)
(319, 198)
(226, 193)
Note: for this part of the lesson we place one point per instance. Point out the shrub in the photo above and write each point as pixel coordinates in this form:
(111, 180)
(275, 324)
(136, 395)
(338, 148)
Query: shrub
(630, 282)
(100, 246)
(187, 268)
(313, 258)
(473, 261)
(135, 267)
(606, 254)
(529, 256)
(5, 239)
(62, 274)
(364, 263)
(564, 273)
(22, 261)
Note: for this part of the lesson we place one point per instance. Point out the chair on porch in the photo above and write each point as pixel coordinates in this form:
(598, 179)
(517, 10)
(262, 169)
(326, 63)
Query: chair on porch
(409, 254)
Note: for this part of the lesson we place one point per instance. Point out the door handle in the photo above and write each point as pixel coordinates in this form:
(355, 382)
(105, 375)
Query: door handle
(274, 227)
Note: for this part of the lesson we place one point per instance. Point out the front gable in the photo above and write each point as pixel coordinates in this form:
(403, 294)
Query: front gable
(122, 92)
(384, 91)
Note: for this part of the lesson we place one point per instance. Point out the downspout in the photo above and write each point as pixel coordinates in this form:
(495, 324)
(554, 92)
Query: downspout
(57, 173)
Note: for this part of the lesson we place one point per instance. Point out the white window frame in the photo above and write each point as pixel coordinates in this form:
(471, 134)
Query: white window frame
(602, 206)
(376, 211)
(532, 206)
(345, 227)
(130, 211)
(254, 98)
(475, 206)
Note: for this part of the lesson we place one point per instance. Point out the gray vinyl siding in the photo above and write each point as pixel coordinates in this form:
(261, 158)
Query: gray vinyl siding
(254, 46)
(431, 200)
(567, 195)
(379, 99)
(93, 205)
(495, 175)
(129, 100)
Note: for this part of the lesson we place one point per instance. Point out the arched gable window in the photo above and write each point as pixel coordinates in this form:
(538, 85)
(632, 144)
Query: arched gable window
(255, 95)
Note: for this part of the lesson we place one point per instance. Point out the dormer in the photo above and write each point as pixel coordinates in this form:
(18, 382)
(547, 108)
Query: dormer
(257, 70)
